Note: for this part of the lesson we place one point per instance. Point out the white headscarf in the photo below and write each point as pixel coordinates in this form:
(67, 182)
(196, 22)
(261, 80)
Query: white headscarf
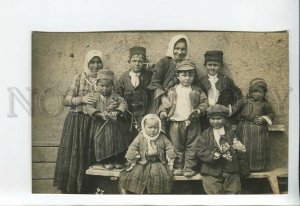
(88, 58)
(150, 116)
(173, 41)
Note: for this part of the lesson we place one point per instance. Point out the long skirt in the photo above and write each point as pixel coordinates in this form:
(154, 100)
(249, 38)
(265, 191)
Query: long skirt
(256, 139)
(72, 158)
(108, 138)
(154, 177)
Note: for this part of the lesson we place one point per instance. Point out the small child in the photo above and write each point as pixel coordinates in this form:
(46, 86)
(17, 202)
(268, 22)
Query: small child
(188, 103)
(255, 114)
(222, 155)
(109, 138)
(132, 85)
(151, 157)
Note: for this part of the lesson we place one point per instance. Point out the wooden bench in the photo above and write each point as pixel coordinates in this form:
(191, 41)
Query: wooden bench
(272, 176)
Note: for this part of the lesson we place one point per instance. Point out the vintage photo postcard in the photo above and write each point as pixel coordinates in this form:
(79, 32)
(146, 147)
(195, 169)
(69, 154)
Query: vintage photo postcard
(160, 112)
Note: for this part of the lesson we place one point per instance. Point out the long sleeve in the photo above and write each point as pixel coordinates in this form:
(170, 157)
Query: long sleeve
(170, 153)
(72, 91)
(158, 76)
(134, 148)
(122, 104)
(237, 92)
(120, 88)
(203, 103)
(203, 151)
(91, 108)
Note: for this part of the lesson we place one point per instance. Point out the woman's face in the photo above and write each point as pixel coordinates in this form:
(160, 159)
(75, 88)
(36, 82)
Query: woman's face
(180, 50)
(95, 65)
(151, 127)
(257, 94)
(217, 122)
(213, 67)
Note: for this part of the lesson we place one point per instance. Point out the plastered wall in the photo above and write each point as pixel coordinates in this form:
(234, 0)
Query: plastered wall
(57, 57)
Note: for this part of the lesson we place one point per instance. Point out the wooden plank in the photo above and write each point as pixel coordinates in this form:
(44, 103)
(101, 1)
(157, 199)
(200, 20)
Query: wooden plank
(44, 186)
(45, 143)
(44, 154)
(43, 170)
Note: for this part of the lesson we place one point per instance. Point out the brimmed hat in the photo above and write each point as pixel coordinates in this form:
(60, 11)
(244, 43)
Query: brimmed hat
(137, 50)
(185, 65)
(214, 55)
(217, 110)
(256, 83)
(105, 76)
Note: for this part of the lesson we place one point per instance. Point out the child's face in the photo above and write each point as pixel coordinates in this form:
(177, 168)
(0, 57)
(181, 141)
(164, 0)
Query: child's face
(104, 89)
(180, 50)
(217, 122)
(95, 65)
(151, 127)
(136, 63)
(257, 94)
(186, 78)
(213, 67)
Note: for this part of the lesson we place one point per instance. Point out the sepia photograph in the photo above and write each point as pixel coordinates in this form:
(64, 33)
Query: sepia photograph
(160, 112)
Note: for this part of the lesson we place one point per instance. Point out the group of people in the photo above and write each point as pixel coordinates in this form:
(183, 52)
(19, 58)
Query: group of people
(164, 121)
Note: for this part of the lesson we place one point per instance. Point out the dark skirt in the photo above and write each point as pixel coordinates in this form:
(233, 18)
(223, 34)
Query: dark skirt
(256, 139)
(154, 177)
(109, 138)
(72, 158)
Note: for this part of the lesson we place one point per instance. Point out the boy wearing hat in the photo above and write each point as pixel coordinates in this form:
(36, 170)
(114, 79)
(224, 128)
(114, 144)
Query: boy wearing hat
(221, 154)
(109, 137)
(219, 88)
(132, 85)
(188, 103)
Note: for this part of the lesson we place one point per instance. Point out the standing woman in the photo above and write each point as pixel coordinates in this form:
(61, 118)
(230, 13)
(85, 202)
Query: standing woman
(72, 159)
(164, 75)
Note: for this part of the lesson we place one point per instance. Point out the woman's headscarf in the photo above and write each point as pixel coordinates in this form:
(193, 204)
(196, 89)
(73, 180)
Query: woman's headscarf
(88, 58)
(173, 41)
(150, 116)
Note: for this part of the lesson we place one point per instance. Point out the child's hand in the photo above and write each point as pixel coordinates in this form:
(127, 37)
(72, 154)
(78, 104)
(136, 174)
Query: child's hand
(258, 120)
(89, 99)
(194, 114)
(163, 115)
(115, 113)
(165, 102)
(216, 155)
(170, 167)
(101, 115)
(129, 168)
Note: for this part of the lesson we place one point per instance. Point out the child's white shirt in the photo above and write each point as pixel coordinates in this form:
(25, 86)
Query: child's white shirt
(134, 78)
(213, 93)
(183, 107)
(217, 134)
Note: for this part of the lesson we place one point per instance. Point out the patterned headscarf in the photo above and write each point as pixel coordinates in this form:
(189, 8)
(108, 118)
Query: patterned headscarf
(88, 58)
(173, 41)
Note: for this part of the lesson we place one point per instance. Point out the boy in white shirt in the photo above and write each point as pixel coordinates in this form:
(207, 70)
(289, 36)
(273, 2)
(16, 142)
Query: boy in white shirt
(188, 103)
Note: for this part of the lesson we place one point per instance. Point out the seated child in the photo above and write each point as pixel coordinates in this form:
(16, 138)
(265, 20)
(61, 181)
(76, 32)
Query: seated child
(132, 85)
(109, 137)
(188, 103)
(255, 114)
(222, 155)
(151, 156)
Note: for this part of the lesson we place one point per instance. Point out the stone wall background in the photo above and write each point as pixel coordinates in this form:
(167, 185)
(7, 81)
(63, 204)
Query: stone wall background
(57, 57)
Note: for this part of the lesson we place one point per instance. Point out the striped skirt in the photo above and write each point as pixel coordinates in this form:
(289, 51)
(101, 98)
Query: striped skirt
(109, 138)
(256, 139)
(154, 177)
(72, 158)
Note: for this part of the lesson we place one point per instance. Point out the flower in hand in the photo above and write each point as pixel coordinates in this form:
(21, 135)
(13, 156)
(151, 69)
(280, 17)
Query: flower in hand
(238, 145)
(216, 155)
